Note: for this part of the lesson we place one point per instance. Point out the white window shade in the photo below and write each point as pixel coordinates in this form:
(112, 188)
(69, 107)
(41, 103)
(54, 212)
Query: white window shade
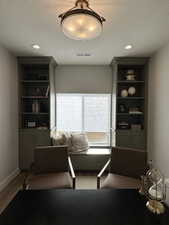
(83, 79)
(69, 113)
(96, 113)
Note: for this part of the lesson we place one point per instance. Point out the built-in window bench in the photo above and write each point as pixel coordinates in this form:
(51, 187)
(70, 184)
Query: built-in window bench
(91, 160)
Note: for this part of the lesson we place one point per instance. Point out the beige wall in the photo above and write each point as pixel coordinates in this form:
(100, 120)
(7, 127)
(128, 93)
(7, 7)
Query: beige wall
(158, 140)
(8, 117)
(83, 79)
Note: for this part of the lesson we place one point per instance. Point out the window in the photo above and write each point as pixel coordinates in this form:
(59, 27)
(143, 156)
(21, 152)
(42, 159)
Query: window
(89, 113)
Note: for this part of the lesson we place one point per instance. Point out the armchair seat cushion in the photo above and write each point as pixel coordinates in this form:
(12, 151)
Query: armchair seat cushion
(118, 181)
(49, 181)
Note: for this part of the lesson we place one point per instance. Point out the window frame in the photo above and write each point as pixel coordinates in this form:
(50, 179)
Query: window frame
(83, 95)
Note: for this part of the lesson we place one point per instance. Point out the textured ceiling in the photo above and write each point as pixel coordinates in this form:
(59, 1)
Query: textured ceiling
(142, 23)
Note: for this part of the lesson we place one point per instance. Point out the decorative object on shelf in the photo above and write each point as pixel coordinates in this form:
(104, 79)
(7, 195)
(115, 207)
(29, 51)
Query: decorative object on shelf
(156, 190)
(35, 107)
(136, 127)
(38, 92)
(43, 126)
(42, 77)
(132, 91)
(123, 125)
(124, 93)
(47, 91)
(81, 22)
(130, 75)
(122, 108)
(31, 124)
(135, 111)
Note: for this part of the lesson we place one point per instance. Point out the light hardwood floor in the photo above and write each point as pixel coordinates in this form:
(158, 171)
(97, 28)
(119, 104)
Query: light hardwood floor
(83, 181)
(10, 191)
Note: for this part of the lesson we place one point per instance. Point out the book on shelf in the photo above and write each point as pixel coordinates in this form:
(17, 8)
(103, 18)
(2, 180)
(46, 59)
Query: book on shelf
(35, 107)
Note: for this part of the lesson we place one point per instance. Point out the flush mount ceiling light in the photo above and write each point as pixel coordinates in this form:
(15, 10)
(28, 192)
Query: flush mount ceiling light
(81, 22)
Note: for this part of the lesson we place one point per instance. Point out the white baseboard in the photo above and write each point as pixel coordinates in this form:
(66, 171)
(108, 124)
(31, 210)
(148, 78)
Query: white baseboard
(8, 179)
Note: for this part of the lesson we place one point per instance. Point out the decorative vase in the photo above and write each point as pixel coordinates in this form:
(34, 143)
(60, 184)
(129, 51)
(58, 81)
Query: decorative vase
(132, 91)
(124, 93)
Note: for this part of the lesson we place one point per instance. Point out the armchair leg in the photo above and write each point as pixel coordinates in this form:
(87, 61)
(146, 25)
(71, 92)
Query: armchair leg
(74, 183)
(98, 182)
(25, 185)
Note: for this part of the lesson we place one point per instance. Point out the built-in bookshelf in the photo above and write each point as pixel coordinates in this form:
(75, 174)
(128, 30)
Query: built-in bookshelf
(35, 91)
(130, 101)
(36, 105)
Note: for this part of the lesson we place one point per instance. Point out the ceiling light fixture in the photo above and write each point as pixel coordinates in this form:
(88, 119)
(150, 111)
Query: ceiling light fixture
(35, 46)
(128, 47)
(81, 22)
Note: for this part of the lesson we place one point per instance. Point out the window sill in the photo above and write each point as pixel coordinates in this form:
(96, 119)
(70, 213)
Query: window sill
(94, 151)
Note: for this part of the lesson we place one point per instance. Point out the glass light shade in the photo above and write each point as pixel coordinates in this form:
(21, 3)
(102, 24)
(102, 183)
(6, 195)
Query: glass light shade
(81, 26)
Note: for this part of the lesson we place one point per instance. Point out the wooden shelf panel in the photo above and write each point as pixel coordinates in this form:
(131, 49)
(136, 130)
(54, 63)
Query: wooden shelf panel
(35, 97)
(130, 81)
(130, 114)
(32, 113)
(35, 81)
(132, 98)
(130, 131)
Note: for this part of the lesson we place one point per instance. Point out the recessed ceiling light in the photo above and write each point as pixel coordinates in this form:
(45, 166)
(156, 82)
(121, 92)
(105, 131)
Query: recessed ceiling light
(128, 47)
(35, 46)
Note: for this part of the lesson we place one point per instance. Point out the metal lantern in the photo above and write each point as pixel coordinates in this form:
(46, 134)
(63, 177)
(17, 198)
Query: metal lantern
(155, 190)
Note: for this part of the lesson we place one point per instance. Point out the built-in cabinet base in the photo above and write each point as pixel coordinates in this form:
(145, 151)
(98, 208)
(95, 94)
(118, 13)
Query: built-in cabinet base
(28, 140)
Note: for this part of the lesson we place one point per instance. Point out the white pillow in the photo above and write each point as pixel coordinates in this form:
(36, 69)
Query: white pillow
(79, 142)
(58, 138)
(68, 141)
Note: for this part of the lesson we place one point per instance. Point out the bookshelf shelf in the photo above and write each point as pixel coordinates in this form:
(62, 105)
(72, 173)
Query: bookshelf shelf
(130, 114)
(35, 81)
(35, 97)
(33, 113)
(131, 98)
(130, 82)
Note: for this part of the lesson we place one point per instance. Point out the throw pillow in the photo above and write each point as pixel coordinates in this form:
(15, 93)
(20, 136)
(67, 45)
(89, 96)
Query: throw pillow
(79, 142)
(58, 138)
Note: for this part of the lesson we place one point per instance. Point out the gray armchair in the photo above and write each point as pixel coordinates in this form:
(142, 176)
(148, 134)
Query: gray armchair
(126, 167)
(50, 169)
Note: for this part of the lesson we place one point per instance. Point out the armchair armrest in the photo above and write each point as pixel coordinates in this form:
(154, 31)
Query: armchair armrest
(101, 173)
(72, 172)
